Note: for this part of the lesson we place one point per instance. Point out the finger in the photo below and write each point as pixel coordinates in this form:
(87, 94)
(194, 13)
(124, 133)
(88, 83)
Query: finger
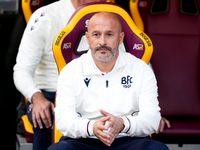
(52, 108)
(48, 119)
(106, 142)
(105, 138)
(157, 132)
(112, 139)
(99, 126)
(34, 120)
(113, 133)
(104, 119)
(38, 119)
(110, 124)
(102, 127)
(168, 123)
(162, 125)
(99, 132)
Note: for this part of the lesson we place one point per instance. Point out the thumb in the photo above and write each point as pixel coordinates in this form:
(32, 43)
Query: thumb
(103, 121)
(104, 113)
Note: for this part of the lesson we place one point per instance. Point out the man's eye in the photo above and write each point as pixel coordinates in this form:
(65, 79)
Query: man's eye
(95, 34)
(109, 34)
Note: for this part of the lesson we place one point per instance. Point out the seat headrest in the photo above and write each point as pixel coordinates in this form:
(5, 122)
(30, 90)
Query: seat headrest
(66, 44)
(29, 6)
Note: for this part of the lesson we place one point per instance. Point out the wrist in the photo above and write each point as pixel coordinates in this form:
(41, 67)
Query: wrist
(123, 124)
(36, 96)
(127, 125)
(90, 125)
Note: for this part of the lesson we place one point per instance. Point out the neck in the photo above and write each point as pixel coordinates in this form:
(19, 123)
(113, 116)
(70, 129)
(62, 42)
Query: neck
(77, 3)
(105, 66)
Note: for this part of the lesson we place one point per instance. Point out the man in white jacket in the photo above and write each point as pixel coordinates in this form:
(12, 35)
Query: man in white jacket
(107, 99)
(35, 73)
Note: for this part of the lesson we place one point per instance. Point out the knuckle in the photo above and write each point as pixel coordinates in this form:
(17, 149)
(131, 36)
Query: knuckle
(45, 107)
(43, 117)
(38, 119)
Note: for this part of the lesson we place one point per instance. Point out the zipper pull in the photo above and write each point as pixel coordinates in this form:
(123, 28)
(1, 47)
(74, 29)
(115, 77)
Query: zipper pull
(106, 83)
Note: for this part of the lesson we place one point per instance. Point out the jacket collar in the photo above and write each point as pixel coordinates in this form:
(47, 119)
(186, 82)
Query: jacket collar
(90, 68)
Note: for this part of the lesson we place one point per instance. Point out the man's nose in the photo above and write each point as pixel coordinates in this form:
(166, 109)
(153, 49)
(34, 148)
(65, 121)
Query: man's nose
(102, 40)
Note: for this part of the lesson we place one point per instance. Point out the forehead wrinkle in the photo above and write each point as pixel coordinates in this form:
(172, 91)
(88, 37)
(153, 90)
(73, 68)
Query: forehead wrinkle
(97, 18)
(99, 27)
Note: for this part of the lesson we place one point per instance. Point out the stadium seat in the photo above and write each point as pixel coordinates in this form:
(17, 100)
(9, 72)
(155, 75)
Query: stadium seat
(28, 129)
(173, 26)
(111, 1)
(67, 43)
(29, 6)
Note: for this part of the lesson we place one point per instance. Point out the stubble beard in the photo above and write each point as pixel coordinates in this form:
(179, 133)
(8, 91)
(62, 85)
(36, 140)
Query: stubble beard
(103, 58)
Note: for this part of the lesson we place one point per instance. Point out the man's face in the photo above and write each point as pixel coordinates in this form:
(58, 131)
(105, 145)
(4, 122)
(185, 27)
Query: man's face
(104, 37)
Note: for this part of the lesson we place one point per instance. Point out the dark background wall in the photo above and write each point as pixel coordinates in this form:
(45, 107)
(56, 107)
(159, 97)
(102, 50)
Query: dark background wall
(11, 29)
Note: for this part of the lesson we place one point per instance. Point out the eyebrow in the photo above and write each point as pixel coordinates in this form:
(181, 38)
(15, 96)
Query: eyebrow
(109, 31)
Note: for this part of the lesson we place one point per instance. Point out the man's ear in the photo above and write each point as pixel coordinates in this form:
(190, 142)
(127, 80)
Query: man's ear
(122, 34)
(87, 37)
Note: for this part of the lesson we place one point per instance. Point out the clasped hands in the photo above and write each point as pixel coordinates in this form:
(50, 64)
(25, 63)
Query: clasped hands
(115, 125)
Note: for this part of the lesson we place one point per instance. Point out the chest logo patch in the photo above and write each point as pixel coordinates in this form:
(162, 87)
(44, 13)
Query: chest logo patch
(87, 81)
(126, 81)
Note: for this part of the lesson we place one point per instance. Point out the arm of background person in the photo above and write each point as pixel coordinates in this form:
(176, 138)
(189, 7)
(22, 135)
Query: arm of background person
(29, 56)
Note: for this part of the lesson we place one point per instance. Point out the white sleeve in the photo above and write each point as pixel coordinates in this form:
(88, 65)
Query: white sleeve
(68, 121)
(29, 56)
(146, 121)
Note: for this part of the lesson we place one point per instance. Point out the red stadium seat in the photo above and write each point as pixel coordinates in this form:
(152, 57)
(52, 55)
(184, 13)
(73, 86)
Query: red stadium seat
(174, 28)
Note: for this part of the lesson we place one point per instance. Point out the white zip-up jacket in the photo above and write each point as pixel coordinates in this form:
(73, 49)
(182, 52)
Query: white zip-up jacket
(128, 91)
(36, 68)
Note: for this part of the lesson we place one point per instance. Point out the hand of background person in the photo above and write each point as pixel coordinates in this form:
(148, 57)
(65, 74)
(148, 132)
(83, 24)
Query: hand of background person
(41, 110)
(161, 127)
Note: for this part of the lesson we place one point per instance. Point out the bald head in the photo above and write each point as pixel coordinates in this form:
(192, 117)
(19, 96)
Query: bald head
(105, 18)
